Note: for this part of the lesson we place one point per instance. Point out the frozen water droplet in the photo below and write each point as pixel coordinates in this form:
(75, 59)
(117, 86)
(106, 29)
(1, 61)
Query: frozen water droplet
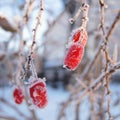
(26, 83)
(71, 20)
(44, 79)
(64, 66)
(69, 44)
(67, 67)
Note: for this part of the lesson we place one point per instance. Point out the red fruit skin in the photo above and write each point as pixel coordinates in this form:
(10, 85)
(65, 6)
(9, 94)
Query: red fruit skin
(76, 36)
(18, 95)
(80, 35)
(38, 93)
(74, 56)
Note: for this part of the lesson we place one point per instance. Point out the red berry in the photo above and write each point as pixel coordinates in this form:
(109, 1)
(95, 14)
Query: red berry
(38, 93)
(74, 56)
(76, 36)
(18, 95)
(80, 35)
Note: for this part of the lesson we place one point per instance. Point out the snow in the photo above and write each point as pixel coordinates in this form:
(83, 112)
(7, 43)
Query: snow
(55, 98)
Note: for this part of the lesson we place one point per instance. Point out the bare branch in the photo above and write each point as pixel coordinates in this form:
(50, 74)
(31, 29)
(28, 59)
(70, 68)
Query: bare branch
(98, 51)
(12, 106)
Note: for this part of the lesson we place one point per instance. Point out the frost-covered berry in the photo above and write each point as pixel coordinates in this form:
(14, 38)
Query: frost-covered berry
(74, 56)
(38, 93)
(18, 95)
(79, 35)
(76, 35)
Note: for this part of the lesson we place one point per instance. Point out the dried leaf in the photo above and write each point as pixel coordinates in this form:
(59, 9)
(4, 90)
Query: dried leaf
(4, 23)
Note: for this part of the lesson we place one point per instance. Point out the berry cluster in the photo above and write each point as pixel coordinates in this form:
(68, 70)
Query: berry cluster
(76, 50)
(79, 39)
(37, 92)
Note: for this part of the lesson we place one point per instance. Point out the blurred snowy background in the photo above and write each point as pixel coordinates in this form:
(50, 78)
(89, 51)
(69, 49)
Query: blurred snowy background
(52, 37)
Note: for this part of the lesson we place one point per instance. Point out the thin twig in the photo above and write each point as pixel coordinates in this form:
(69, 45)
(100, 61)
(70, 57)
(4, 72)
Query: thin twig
(102, 5)
(93, 86)
(31, 53)
(98, 51)
(83, 8)
(107, 58)
(111, 70)
(13, 107)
